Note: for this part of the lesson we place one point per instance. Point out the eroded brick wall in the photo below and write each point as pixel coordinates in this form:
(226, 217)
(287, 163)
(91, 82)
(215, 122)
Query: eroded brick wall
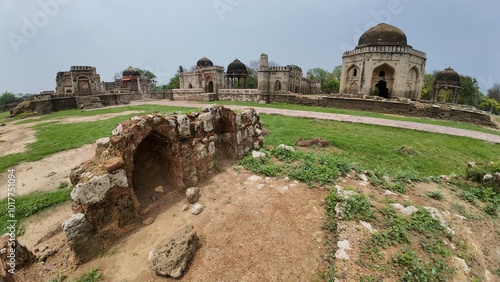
(179, 150)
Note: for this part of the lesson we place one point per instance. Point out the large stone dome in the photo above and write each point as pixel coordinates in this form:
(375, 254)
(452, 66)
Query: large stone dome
(448, 76)
(131, 71)
(204, 62)
(237, 68)
(383, 35)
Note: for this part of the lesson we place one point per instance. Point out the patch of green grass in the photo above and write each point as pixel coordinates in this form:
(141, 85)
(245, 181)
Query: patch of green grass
(411, 268)
(461, 125)
(264, 166)
(52, 137)
(28, 205)
(311, 168)
(372, 147)
(436, 195)
(397, 230)
(4, 117)
(90, 276)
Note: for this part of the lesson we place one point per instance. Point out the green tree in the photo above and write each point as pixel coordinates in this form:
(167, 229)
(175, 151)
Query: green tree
(470, 94)
(494, 92)
(490, 105)
(330, 82)
(252, 78)
(427, 87)
(337, 72)
(7, 98)
(148, 74)
(174, 82)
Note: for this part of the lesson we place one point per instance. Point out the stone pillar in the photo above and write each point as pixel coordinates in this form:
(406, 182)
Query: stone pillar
(82, 237)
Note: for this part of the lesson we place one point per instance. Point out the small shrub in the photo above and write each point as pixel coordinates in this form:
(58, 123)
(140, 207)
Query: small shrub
(436, 195)
(422, 221)
(468, 196)
(58, 278)
(357, 207)
(90, 276)
(264, 166)
(284, 155)
(491, 209)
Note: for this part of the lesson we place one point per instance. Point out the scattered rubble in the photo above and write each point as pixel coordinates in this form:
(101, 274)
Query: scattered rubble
(172, 258)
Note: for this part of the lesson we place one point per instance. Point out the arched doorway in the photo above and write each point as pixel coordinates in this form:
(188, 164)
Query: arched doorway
(155, 166)
(411, 82)
(354, 88)
(277, 85)
(211, 86)
(381, 88)
(383, 80)
(83, 86)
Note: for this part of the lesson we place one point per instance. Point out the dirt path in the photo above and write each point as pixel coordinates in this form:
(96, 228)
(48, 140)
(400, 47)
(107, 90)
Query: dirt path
(347, 118)
(48, 173)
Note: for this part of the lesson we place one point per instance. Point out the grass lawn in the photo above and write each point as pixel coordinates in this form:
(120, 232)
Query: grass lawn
(27, 205)
(461, 125)
(52, 137)
(371, 147)
(378, 148)
(85, 113)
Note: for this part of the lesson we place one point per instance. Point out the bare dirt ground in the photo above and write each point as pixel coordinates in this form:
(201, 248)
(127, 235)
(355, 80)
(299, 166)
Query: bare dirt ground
(267, 229)
(48, 173)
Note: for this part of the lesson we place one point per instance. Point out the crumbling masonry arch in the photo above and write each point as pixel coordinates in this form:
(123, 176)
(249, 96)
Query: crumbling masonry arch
(176, 152)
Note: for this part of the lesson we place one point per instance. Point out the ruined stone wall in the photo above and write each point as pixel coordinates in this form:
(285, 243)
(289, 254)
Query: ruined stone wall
(297, 99)
(242, 95)
(410, 109)
(115, 99)
(175, 152)
(61, 104)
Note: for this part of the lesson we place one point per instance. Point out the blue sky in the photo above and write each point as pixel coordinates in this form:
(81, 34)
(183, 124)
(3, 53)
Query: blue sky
(38, 38)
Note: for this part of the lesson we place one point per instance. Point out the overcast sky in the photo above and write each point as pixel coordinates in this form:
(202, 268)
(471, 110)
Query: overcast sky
(41, 37)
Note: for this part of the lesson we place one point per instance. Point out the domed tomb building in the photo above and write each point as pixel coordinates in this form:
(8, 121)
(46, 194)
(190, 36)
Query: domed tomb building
(206, 77)
(131, 81)
(383, 64)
